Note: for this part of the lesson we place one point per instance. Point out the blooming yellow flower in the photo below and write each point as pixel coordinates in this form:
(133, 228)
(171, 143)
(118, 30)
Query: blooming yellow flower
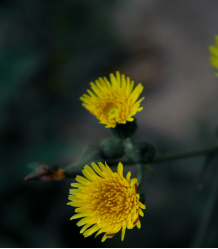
(113, 102)
(108, 202)
(214, 52)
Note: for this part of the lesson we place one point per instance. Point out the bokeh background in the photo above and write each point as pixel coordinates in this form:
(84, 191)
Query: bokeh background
(49, 52)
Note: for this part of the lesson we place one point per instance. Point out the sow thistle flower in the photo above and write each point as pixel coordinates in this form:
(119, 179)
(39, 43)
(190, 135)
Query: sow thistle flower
(115, 101)
(214, 52)
(106, 201)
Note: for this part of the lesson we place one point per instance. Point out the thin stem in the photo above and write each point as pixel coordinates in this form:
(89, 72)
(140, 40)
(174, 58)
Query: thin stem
(130, 142)
(174, 156)
(157, 159)
(180, 155)
(140, 173)
(201, 231)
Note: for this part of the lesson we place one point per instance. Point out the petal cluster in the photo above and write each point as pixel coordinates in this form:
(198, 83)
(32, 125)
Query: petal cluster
(115, 101)
(214, 52)
(106, 201)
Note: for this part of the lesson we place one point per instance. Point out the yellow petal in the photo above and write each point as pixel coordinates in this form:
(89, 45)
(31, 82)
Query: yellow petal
(118, 78)
(142, 205)
(128, 177)
(90, 231)
(85, 227)
(138, 224)
(96, 168)
(74, 191)
(108, 168)
(102, 230)
(140, 212)
(120, 169)
(87, 175)
(104, 238)
(123, 233)
(83, 180)
(84, 221)
(77, 185)
(76, 216)
(103, 168)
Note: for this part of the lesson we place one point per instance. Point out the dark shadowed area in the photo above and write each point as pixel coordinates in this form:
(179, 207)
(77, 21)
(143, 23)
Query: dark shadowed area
(49, 52)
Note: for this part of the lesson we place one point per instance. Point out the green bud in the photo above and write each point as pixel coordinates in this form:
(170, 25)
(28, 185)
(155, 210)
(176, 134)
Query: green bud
(123, 131)
(140, 152)
(112, 147)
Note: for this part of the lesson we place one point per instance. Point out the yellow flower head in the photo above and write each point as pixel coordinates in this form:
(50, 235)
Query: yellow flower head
(113, 102)
(106, 201)
(214, 52)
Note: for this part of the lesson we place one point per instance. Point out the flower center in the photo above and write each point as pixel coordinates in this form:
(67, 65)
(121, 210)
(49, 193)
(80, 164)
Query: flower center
(115, 204)
(112, 112)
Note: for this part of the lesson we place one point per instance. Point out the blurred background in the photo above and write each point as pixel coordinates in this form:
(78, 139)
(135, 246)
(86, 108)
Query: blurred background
(49, 52)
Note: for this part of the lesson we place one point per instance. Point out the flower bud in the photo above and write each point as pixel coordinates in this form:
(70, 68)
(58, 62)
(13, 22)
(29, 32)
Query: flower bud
(140, 152)
(124, 131)
(112, 147)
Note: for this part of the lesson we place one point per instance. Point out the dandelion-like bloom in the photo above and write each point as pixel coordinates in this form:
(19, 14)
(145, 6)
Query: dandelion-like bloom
(113, 102)
(107, 201)
(214, 52)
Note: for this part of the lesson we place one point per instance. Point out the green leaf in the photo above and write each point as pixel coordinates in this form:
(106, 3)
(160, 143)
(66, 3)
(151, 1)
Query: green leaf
(88, 155)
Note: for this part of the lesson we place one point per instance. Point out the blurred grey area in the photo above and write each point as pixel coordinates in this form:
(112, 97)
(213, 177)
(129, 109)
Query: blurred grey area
(49, 52)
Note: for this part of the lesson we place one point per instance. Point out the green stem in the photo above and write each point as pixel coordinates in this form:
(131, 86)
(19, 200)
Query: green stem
(202, 228)
(140, 173)
(175, 156)
(130, 142)
(160, 158)
(180, 155)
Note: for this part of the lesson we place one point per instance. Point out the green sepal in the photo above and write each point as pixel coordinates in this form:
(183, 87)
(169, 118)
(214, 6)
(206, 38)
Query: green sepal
(112, 147)
(141, 192)
(88, 155)
(140, 152)
(123, 131)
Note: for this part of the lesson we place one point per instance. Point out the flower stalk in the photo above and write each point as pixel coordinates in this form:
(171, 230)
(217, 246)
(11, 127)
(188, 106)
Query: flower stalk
(175, 156)
(181, 155)
(158, 159)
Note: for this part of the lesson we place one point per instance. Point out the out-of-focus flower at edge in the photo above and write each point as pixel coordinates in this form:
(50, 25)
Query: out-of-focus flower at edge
(214, 52)
(44, 173)
(113, 102)
(108, 202)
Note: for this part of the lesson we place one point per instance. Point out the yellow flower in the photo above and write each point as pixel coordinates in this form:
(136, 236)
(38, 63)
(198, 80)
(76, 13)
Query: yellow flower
(214, 52)
(113, 102)
(108, 202)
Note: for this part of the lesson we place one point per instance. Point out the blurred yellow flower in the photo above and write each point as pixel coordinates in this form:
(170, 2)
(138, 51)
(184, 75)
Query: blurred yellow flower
(113, 102)
(108, 202)
(214, 52)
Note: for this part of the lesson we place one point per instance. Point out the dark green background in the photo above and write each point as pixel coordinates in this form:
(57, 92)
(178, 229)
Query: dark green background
(49, 52)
